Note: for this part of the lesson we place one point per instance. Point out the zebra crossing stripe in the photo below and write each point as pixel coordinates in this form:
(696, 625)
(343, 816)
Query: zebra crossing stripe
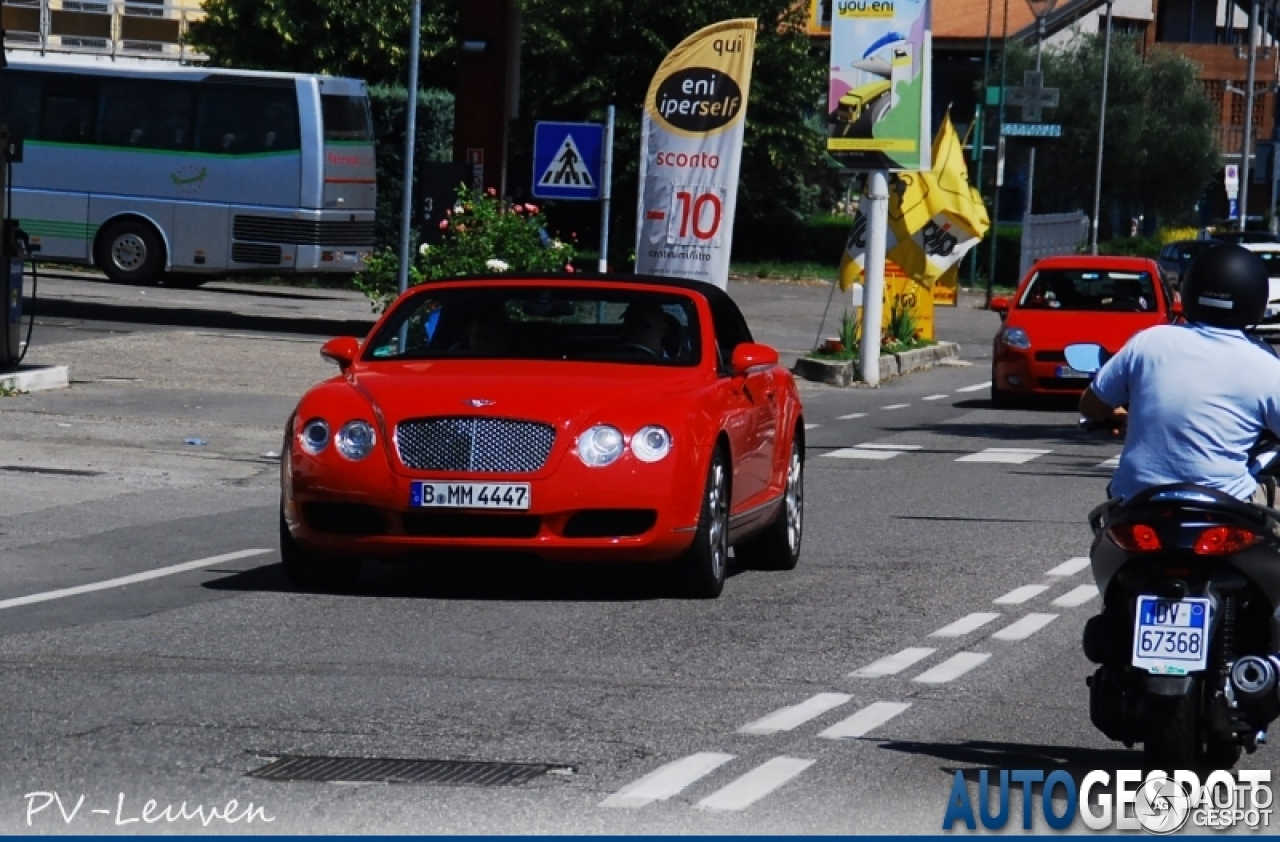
(792, 717)
(1005, 455)
(893, 664)
(755, 784)
(864, 721)
(666, 781)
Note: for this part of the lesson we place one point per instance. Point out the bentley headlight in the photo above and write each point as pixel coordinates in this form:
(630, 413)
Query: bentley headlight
(355, 440)
(600, 446)
(651, 444)
(315, 436)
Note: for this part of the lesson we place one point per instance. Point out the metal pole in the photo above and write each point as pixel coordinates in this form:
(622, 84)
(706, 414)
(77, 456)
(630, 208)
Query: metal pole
(1246, 150)
(980, 141)
(410, 135)
(606, 189)
(873, 276)
(1102, 130)
(995, 209)
(1031, 163)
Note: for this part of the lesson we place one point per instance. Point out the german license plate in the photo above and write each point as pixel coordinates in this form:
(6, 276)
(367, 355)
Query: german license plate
(1066, 372)
(470, 495)
(1171, 636)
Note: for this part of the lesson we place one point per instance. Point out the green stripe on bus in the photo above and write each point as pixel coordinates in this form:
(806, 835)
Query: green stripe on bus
(179, 153)
(58, 228)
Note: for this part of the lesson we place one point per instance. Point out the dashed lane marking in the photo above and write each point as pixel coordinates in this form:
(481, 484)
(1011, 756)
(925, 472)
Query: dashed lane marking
(666, 781)
(1005, 455)
(952, 668)
(796, 715)
(878, 452)
(1025, 627)
(1113, 462)
(1077, 597)
(129, 580)
(936, 398)
(1017, 596)
(975, 388)
(811, 426)
(852, 416)
(1070, 567)
(965, 625)
(896, 406)
(755, 784)
(864, 721)
(893, 664)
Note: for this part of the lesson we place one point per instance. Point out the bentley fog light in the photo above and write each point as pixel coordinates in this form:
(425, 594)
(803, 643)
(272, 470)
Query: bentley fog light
(315, 436)
(600, 446)
(651, 444)
(355, 440)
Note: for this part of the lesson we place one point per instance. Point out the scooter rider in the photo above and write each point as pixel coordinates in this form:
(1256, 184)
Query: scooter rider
(1200, 394)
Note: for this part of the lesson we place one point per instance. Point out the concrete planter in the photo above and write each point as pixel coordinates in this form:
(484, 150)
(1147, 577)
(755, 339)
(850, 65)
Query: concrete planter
(845, 372)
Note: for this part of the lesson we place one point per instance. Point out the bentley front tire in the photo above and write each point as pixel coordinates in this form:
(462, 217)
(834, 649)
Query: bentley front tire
(314, 572)
(703, 567)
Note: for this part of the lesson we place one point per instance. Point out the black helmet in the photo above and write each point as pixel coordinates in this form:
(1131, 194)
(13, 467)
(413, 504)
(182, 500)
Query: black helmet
(1225, 286)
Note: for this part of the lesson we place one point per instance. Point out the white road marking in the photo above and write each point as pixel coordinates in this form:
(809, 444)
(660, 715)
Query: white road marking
(936, 398)
(1005, 455)
(1017, 596)
(1113, 462)
(975, 388)
(129, 580)
(1077, 597)
(811, 426)
(796, 715)
(864, 721)
(1025, 627)
(666, 781)
(893, 664)
(965, 625)
(853, 415)
(755, 784)
(896, 406)
(952, 668)
(1070, 567)
(878, 452)
(872, 446)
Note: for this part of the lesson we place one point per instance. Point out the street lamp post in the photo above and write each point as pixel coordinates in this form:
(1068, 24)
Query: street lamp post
(1102, 130)
(1247, 147)
(1041, 9)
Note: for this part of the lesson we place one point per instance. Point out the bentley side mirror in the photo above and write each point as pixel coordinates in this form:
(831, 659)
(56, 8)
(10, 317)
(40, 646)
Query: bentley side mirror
(341, 350)
(751, 355)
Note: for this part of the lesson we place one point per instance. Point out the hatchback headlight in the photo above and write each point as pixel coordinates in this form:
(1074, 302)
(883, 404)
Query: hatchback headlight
(600, 446)
(356, 440)
(315, 436)
(1016, 337)
(651, 444)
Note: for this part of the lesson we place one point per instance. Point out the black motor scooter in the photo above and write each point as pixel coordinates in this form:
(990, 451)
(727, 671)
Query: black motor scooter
(1188, 637)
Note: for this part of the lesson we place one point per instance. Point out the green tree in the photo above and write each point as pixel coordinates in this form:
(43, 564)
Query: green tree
(368, 40)
(578, 60)
(1160, 149)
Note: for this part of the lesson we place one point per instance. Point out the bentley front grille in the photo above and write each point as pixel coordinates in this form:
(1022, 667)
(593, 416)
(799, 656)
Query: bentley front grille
(474, 445)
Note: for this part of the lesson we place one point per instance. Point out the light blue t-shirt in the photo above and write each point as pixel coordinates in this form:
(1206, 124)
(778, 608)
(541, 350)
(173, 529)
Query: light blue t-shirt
(1198, 398)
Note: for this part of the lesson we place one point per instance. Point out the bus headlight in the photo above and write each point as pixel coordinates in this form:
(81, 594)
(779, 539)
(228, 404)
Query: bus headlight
(355, 440)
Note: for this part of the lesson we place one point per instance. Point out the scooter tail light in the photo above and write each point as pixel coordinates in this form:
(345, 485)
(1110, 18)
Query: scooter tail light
(1224, 540)
(1135, 538)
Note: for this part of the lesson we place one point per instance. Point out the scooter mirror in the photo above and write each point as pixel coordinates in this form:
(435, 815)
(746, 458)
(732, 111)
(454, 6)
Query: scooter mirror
(1084, 358)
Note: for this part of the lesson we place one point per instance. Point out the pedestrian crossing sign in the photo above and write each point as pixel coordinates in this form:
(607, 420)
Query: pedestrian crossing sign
(567, 160)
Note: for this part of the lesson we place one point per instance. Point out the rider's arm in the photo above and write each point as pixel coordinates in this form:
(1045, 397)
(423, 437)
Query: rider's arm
(1094, 408)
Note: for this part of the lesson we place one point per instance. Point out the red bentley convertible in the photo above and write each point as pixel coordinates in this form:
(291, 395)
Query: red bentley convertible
(611, 418)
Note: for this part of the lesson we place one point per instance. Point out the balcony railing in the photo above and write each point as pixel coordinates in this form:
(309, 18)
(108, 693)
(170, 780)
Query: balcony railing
(115, 28)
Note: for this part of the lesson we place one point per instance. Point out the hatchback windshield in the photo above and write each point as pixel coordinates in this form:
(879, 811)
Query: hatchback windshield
(542, 323)
(1090, 289)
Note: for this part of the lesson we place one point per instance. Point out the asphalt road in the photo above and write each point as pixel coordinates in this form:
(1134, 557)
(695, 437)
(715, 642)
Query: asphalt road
(831, 699)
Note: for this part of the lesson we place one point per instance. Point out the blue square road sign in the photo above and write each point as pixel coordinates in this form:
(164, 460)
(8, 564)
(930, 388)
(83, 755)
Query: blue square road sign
(567, 161)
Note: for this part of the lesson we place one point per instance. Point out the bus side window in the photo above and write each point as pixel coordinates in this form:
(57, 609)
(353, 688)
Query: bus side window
(21, 102)
(145, 114)
(70, 109)
(244, 119)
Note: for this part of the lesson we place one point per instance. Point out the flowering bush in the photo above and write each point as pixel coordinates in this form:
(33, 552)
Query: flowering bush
(483, 235)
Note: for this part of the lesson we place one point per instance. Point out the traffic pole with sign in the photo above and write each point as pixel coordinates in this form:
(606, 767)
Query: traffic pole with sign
(1231, 181)
(602, 265)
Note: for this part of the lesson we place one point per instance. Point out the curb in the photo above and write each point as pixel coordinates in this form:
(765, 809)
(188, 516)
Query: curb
(37, 378)
(845, 372)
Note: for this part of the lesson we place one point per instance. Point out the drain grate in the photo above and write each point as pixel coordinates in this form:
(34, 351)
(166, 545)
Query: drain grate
(390, 771)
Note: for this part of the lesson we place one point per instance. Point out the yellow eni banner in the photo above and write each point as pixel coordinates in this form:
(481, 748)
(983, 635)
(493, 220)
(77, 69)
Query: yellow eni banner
(690, 153)
(878, 94)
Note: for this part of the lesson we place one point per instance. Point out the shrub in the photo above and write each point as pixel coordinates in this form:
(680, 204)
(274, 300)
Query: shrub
(433, 142)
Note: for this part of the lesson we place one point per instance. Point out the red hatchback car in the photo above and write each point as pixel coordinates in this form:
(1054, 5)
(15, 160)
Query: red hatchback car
(1066, 300)
(573, 417)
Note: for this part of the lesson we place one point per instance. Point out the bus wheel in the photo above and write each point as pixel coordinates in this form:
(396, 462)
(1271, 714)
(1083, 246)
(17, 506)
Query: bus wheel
(130, 252)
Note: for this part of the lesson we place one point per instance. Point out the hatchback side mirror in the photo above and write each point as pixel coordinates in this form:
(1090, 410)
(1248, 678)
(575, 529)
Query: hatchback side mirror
(750, 355)
(1176, 308)
(341, 350)
(1000, 305)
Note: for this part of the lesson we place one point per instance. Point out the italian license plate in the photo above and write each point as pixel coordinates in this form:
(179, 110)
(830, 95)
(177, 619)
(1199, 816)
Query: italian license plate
(1171, 636)
(470, 495)
(1069, 373)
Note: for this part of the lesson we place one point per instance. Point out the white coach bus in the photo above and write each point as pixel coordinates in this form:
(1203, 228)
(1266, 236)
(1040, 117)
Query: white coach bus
(186, 173)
